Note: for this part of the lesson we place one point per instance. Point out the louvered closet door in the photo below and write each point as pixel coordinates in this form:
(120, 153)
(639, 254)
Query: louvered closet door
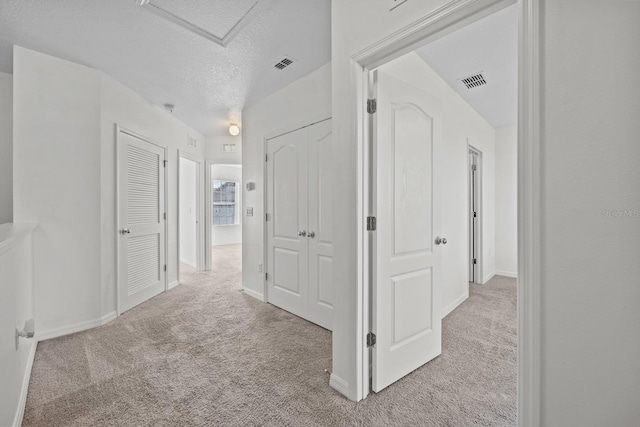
(141, 209)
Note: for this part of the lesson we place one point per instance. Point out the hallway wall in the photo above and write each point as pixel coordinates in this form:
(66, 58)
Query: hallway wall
(507, 201)
(303, 102)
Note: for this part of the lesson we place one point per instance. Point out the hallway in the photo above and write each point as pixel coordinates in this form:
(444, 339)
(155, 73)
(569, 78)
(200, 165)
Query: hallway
(204, 353)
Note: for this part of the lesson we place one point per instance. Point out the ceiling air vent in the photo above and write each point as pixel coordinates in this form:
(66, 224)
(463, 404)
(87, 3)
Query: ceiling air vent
(474, 81)
(283, 63)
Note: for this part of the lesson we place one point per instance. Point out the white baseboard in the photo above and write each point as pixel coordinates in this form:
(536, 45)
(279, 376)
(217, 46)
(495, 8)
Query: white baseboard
(455, 304)
(254, 294)
(339, 384)
(488, 277)
(507, 274)
(173, 284)
(17, 419)
(77, 327)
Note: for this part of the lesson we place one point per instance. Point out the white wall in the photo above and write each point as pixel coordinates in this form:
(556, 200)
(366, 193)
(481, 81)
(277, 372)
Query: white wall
(128, 109)
(65, 180)
(590, 239)
(460, 123)
(228, 234)
(16, 307)
(187, 206)
(507, 201)
(214, 153)
(6, 148)
(57, 183)
(303, 102)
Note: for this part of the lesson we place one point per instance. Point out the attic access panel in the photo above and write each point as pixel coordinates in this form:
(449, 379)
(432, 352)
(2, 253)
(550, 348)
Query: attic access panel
(217, 20)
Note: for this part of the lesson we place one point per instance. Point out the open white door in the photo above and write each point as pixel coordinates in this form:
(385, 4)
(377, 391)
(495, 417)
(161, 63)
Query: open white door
(406, 317)
(141, 220)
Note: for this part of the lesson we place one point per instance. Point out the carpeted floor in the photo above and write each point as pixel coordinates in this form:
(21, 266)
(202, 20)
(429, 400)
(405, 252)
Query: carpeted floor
(206, 354)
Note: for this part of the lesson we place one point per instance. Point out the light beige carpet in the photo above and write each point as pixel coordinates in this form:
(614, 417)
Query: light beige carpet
(206, 354)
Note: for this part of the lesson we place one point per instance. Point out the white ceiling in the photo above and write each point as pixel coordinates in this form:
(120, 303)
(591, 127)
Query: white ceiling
(167, 63)
(490, 46)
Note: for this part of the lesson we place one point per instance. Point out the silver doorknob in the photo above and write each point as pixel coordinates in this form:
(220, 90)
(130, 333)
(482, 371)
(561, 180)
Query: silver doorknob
(440, 240)
(302, 233)
(125, 231)
(312, 234)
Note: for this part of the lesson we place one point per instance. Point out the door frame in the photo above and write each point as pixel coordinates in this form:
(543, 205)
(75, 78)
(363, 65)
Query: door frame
(301, 124)
(199, 229)
(121, 129)
(479, 276)
(452, 16)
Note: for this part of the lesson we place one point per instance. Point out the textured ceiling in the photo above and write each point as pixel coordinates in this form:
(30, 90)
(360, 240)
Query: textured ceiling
(490, 46)
(166, 63)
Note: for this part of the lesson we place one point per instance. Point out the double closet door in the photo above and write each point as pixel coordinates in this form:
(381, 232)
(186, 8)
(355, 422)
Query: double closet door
(299, 223)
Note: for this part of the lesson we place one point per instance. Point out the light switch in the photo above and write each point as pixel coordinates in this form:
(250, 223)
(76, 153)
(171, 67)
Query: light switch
(249, 211)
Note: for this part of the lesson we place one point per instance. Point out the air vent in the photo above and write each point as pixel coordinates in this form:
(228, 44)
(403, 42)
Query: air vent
(283, 63)
(474, 81)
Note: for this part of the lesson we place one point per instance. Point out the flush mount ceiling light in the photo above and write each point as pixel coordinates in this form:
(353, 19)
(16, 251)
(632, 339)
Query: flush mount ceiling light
(234, 130)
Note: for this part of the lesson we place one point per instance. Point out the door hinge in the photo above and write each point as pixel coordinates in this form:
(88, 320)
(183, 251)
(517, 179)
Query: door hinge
(475, 261)
(473, 167)
(164, 215)
(165, 162)
(165, 267)
(371, 223)
(266, 157)
(372, 106)
(266, 217)
(475, 214)
(371, 339)
(266, 276)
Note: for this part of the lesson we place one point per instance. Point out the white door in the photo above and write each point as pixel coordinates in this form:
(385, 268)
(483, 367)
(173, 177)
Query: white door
(287, 225)
(140, 219)
(406, 259)
(299, 228)
(320, 225)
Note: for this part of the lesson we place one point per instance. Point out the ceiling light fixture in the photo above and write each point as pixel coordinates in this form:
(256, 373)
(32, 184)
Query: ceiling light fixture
(234, 130)
(169, 107)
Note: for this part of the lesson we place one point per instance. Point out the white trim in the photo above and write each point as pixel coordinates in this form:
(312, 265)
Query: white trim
(173, 284)
(480, 243)
(76, 327)
(529, 212)
(254, 294)
(339, 384)
(455, 304)
(512, 274)
(19, 416)
(256, 9)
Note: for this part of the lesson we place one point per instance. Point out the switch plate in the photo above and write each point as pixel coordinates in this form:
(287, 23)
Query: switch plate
(249, 211)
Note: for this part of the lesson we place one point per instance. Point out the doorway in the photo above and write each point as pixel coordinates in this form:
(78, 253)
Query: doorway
(397, 312)
(189, 213)
(224, 225)
(475, 215)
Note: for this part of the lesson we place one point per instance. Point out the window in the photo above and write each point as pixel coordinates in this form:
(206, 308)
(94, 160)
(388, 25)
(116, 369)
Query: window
(225, 208)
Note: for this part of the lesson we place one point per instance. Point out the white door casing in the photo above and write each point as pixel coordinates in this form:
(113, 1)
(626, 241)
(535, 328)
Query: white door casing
(141, 224)
(299, 226)
(406, 260)
(287, 225)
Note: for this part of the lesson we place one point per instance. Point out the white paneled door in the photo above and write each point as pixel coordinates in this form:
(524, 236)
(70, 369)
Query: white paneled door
(299, 215)
(141, 205)
(406, 260)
